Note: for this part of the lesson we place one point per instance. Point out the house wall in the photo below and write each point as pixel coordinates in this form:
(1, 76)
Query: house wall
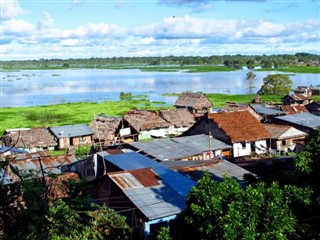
(241, 149)
(64, 143)
(82, 140)
(261, 147)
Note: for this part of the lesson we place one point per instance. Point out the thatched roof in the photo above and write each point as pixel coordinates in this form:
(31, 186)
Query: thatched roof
(193, 100)
(240, 126)
(145, 120)
(105, 127)
(33, 137)
(178, 117)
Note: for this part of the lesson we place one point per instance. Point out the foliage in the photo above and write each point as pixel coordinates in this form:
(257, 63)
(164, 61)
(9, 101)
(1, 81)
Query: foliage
(26, 212)
(164, 234)
(250, 78)
(226, 211)
(275, 84)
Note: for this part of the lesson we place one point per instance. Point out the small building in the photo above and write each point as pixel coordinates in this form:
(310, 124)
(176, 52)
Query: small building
(31, 139)
(285, 138)
(145, 124)
(296, 99)
(293, 109)
(150, 193)
(315, 90)
(239, 129)
(267, 113)
(303, 90)
(314, 108)
(196, 147)
(232, 107)
(72, 135)
(179, 119)
(306, 122)
(106, 129)
(196, 103)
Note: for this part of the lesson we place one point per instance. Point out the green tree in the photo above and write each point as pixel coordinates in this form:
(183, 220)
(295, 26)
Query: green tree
(226, 211)
(276, 84)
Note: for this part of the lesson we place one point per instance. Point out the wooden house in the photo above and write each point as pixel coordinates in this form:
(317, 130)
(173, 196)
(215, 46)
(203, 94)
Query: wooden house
(232, 107)
(285, 138)
(314, 107)
(239, 129)
(196, 103)
(296, 99)
(315, 90)
(106, 129)
(31, 139)
(180, 120)
(72, 135)
(144, 124)
(303, 90)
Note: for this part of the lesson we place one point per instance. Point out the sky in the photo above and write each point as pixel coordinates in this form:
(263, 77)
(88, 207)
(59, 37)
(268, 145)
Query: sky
(63, 29)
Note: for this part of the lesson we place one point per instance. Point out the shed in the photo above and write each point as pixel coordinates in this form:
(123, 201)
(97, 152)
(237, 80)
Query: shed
(72, 135)
(296, 99)
(314, 108)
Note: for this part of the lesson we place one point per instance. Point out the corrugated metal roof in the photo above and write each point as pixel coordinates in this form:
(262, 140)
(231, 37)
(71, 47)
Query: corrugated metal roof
(133, 160)
(219, 169)
(308, 120)
(266, 110)
(71, 130)
(294, 109)
(12, 150)
(181, 147)
(49, 163)
(283, 132)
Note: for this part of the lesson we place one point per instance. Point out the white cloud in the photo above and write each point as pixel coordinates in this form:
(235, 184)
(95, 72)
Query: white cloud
(11, 9)
(16, 28)
(47, 23)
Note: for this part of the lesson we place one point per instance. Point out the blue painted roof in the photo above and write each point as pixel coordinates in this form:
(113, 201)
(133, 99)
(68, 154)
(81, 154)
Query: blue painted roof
(133, 160)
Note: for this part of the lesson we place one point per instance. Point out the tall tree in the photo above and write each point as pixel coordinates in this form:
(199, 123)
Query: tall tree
(276, 84)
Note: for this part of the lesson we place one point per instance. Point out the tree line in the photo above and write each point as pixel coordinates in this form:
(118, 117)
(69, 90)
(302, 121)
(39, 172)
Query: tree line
(234, 61)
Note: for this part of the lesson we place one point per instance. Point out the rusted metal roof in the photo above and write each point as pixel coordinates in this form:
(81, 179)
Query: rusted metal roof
(284, 132)
(300, 97)
(240, 126)
(293, 109)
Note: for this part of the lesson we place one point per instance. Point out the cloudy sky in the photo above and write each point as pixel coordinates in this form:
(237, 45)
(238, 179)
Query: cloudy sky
(34, 29)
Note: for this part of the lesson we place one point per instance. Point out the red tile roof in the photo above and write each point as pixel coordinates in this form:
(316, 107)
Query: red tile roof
(240, 126)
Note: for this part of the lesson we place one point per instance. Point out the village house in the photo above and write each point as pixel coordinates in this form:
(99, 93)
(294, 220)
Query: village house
(239, 129)
(232, 107)
(303, 90)
(145, 124)
(306, 122)
(31, 139)
(296, 99)
(148, 193)
(314, 107)
(315, 90)
(285, 139)
(195, 103)
(72, 135)
(180, 120)
(196, 147)
(266, 113)
(106, 129)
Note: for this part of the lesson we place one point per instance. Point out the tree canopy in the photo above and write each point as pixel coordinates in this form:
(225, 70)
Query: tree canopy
(276, 84)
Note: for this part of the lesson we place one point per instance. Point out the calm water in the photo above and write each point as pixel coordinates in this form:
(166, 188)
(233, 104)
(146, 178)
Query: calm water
(44, 87)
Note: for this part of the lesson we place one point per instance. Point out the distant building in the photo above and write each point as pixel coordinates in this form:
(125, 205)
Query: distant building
(196, 103)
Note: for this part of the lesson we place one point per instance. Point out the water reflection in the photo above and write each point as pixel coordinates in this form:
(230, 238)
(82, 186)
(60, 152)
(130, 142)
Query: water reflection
(42, 87)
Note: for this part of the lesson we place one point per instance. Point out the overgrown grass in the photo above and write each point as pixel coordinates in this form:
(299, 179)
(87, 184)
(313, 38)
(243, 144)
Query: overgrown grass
(294, 69)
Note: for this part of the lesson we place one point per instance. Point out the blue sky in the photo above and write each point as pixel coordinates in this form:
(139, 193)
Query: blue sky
(99, 28)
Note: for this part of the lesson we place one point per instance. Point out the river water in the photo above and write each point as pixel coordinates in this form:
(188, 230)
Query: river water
(43, 87)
